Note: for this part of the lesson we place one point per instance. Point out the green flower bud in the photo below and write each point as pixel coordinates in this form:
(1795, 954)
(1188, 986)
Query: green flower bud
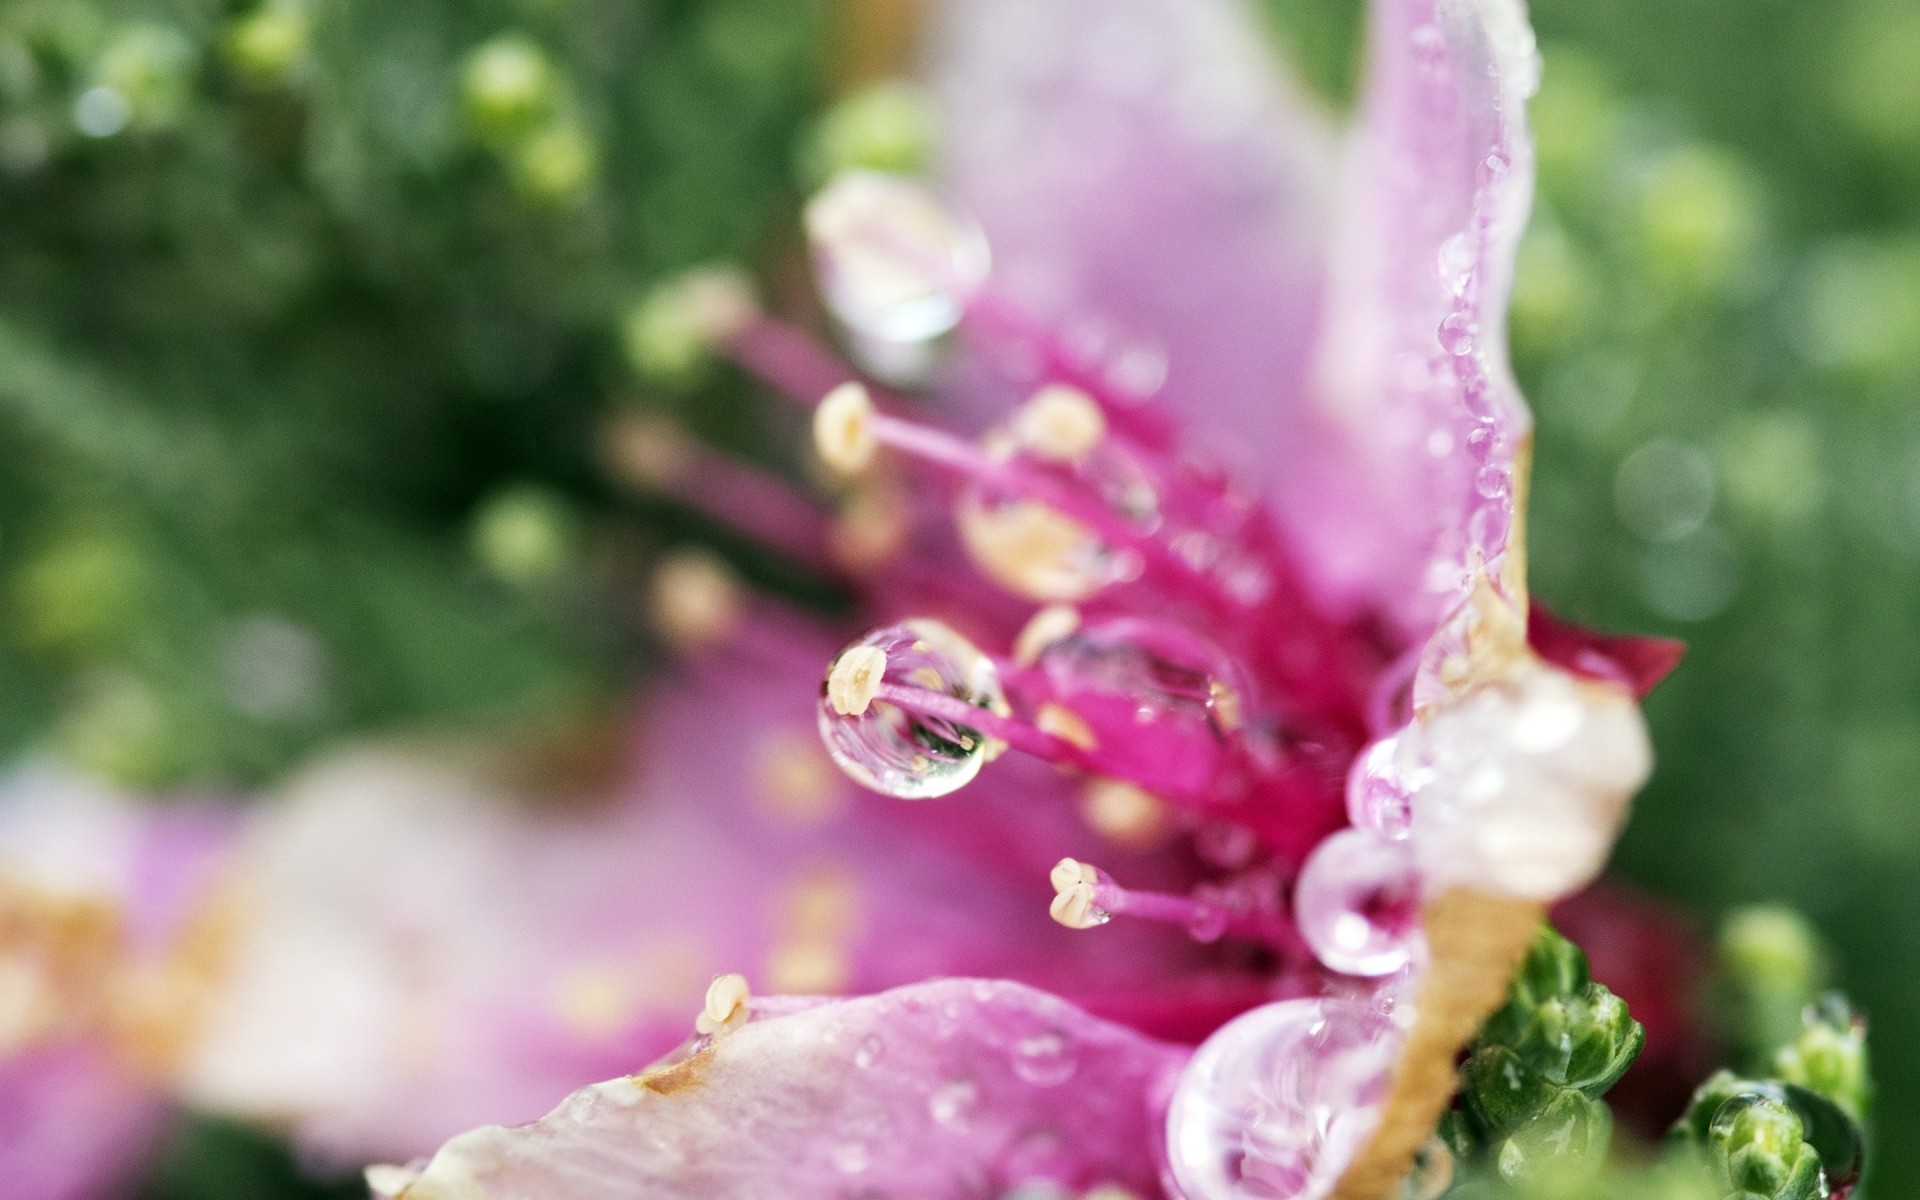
(1830, 1057)
(508, 86)
(556, 165)
(1774, 965)
(269, 44)
(1568, 1137)
(1758, 1146)
(525, 536)
(885, 127)
(670, 334)
(143, 79)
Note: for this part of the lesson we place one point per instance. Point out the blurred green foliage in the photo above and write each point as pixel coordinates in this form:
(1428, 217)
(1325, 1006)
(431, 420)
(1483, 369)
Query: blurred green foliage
(309, 313)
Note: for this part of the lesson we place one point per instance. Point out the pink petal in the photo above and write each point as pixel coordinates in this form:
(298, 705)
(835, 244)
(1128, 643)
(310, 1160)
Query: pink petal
(1402, 496)
(74, 1125)
(945, 1089)
(427, 952)
(1148, 178)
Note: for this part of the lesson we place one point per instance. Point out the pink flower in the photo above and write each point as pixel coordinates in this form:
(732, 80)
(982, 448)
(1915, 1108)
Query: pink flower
(1284, 691)
(1275, 705)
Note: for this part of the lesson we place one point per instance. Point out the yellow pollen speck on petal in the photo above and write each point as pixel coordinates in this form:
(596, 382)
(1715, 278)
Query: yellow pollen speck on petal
(807, 968)
(726, 1006)
(1124, 814)
(843, 433)
(694, 601)
(1051, 624)
(1062, 722)
(1060, 422)
(855, 680)
(794, 780)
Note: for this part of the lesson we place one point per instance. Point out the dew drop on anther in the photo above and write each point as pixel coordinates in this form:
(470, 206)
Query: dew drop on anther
(895, 264)
(908, 754)
(1045, 1059)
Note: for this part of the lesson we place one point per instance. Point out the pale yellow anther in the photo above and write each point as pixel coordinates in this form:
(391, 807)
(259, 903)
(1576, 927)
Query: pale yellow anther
(695, 601)
(1124, 814)
(387, 1182)
(1073, 884)
(1033, 550)
(719, 303)
(1065, 724)
(843, 432)
(1225, 703)
(646, 451)
(1051, 624)
(1060, 422)
(855, 679)
(726, 1006)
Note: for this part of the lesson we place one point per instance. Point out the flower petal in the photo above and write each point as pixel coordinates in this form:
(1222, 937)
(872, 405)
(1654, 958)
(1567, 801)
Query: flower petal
(74, 1123)
(949, 1088)
(1638, 662)
(1143, 168)
(429, 950)
(1422, 428)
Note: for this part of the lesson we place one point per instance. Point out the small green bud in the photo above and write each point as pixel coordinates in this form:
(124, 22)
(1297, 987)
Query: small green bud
(1830, 1057)
(1774, 965)
(884, 127)
(556, 165)
(1758, 1146)
(525, 536)
(670, 334)
(144, 79)
(508, 86)
(269, 44)
(1568, 1137)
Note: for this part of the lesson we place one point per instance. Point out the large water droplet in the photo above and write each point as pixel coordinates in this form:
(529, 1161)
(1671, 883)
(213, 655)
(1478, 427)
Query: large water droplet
(1161, 701)
(1379, 795)
(910, 755)
(1046, 1059)
(1358, 903)
(895, 264)
(1277, 1102)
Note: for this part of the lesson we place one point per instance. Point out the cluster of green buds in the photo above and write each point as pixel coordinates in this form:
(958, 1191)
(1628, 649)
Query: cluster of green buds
(1533, 1080)
(521, 108)
(1797, 1135)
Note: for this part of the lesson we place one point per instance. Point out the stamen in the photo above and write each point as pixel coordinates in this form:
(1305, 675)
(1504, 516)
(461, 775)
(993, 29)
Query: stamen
(844, 431)
(1124, 814)
(695, 600)
(1057, 720)
(1085, 896)
(1049, 625)
(856, 678)
(726, 1006)
(1059, 422)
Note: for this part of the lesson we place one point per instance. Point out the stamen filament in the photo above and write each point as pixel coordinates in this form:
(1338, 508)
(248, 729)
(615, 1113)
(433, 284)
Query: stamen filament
(1082, 888)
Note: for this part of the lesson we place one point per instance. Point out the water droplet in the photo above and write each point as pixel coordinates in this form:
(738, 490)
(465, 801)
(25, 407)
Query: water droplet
(895, 264)
(952, 1103)
(1456, 262)
(1493, 483)
(1483, 442)
(1378, 795)
(851, 1158)
(911, 755)
(870, 1051)
(1358, 903)
(1279, 1100)
(1457, 334)
(1046, 1059)
(1161, 701)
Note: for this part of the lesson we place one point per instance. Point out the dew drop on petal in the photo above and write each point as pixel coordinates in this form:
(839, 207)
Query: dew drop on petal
(1378, 795)
(895, 264)
(1277, 1103)
(1492, 483)
(1456, 334)
(1358, 903)
(1046, 1059)
(910, 755)
(952, 1103)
